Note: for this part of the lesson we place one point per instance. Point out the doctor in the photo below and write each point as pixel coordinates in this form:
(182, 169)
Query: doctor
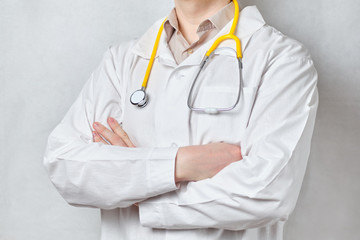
(169, 172)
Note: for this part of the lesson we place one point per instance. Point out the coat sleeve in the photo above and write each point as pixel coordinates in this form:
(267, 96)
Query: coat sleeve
(92, 174)
(262, 188)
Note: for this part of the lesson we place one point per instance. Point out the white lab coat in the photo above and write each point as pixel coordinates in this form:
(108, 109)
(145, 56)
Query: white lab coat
(249, 199)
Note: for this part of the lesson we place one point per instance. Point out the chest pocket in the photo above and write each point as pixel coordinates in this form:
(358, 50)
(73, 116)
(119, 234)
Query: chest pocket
(226, 126)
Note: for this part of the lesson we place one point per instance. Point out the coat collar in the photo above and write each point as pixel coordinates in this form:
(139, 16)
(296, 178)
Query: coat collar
(250, 21)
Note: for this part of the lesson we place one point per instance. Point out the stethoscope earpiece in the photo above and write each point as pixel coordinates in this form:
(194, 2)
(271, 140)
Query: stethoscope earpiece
(139, 98)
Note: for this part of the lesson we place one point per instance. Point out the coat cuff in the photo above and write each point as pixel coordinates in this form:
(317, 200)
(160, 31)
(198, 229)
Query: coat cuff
(161, 170)
(150, 215)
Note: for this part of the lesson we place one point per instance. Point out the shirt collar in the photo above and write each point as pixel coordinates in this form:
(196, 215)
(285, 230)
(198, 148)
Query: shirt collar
(222, 17)
(217, 21)
(250, 20)
(171, 24)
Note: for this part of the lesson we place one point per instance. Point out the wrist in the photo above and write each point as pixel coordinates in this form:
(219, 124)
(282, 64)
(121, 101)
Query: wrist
(180, 163)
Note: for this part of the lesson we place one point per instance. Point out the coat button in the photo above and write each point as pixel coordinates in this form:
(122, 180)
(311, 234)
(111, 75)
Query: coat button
(179, 75)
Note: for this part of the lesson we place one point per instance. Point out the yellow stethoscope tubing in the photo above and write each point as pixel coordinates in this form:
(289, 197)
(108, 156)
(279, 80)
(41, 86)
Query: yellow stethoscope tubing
(222, 38)
(153, 54)
(230, 35)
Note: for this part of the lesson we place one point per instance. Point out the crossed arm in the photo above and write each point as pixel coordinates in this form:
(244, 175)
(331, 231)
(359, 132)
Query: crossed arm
(192, 163)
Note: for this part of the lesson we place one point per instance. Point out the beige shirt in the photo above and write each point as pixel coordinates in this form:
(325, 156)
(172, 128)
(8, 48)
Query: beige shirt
(178, 45)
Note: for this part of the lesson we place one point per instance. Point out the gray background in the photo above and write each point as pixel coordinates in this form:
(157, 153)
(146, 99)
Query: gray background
(48, 49)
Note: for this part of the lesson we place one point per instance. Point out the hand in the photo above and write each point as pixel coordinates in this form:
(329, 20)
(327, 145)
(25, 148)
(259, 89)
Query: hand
(194, 163)
(115, 137)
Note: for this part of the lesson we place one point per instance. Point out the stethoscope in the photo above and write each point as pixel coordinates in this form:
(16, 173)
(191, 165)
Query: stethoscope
(140, 98)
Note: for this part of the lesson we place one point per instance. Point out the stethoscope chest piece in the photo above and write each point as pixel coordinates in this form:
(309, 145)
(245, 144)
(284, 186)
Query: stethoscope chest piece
(139, 98)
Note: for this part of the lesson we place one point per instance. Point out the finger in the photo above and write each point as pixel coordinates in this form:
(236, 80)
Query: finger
(115, 126)
(110, 136)
(98, 138)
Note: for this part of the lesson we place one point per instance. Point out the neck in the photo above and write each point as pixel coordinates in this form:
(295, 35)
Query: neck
(191, 13)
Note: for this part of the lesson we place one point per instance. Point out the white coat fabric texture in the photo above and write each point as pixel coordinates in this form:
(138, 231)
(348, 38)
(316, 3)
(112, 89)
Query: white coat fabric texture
(273, 123)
